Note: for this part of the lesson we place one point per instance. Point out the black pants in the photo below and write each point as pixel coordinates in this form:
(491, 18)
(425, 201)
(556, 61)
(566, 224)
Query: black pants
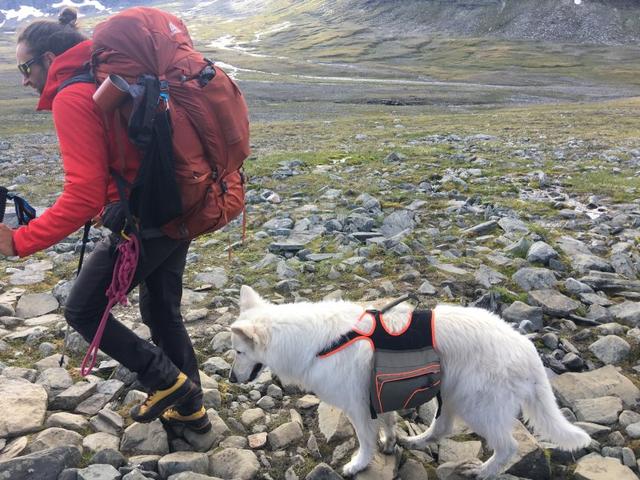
(159, 274)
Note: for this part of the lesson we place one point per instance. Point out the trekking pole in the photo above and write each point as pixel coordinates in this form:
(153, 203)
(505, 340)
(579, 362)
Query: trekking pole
(3, 202)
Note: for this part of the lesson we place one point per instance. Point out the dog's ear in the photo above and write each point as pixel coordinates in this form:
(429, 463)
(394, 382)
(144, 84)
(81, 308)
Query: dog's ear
(249, 298)
(252, 334)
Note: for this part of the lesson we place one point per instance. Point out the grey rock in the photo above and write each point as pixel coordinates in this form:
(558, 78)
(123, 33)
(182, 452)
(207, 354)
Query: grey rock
(333, 423)
(183, 462)
(284, 435)
(553, 302)
(322, 471)
(96, 442)
(14, 448)
(576, 287)
(627, 313)
(251, 416)
(519, 248)
(26, 402)
(383, 467)
(108, 421)
(601, 410)
(368, 202)
(217, 277)
(453, 451)
(36, 304)
(43, 465)
(397, 222)
(216, 365)
(108, 456)
(573, 361)
(55, 437)
(145, 439)
(27, 374)
(518, 311)
(605, 381)
(530, 460)
(234, 464)
(426, 288)
(481, 229)
(99, 472)
(627, 417)
(145, 462)
(633, 430)
(610, 282)
(598, 313)
(513, 225)
(68, 421)
(488, 277)
(595, 467)
(610, 349)
(70, 398)
(221, 342)
(623, 265)
(412, 470)
(629, 458)
(541, 252)
(190, 476)
(93, 404)
(534, 279)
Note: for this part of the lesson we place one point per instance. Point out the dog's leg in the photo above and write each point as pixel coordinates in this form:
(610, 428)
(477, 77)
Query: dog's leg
(440, 427)
(367, 433)
(388, 437)
(497, 430)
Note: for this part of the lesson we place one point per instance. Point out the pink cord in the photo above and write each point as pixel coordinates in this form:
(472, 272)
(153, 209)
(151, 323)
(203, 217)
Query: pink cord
(123, 271)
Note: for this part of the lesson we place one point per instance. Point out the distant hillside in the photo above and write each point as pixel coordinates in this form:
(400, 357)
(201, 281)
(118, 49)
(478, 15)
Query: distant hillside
(580, 21)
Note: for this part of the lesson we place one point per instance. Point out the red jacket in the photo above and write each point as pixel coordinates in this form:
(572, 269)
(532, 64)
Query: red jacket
(89, 150)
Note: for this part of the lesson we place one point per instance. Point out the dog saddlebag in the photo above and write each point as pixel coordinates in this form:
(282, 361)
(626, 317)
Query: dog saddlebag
(406, 366)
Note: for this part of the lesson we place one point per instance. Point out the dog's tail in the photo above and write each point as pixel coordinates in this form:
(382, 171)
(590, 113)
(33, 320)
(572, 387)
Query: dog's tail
(541, 411)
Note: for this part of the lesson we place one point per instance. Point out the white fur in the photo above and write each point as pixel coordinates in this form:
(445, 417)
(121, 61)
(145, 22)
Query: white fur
(491, 373)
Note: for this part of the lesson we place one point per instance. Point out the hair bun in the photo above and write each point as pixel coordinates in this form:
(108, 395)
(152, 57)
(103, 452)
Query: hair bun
(68, 16)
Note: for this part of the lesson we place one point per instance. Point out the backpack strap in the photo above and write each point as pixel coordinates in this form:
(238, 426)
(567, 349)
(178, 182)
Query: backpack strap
(85, 77)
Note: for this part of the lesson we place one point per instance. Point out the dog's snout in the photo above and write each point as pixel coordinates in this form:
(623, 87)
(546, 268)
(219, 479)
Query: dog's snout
(232, 377)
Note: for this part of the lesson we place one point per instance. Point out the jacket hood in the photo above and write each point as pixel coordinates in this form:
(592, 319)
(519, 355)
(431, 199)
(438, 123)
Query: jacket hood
(63, 67)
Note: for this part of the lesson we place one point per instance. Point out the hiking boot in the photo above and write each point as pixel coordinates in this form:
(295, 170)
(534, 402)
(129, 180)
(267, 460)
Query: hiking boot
(158, 401)
(197, 422)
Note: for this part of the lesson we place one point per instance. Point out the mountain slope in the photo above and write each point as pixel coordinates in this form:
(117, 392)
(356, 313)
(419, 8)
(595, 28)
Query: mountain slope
(580, 21)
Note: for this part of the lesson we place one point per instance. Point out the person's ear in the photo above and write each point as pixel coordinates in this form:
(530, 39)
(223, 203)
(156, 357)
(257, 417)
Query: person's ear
(47, 59)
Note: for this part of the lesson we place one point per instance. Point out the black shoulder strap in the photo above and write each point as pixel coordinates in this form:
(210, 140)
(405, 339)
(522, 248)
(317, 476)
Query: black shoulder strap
(85, 77)
(342, 340)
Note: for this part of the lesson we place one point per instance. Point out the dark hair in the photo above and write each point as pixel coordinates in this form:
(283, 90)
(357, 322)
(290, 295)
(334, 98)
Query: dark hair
(53, 36)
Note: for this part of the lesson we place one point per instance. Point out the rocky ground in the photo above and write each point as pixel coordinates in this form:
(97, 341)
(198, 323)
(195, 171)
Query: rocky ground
(362, 187)
(479, 216)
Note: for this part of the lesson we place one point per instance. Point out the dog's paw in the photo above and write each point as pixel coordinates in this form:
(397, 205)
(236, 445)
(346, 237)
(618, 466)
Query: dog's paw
(473, 468)
(351, 468)
(387, 444)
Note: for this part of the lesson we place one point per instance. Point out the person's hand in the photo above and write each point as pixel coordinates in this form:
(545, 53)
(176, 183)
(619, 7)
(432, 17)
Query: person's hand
(97, 221)
(6, 241)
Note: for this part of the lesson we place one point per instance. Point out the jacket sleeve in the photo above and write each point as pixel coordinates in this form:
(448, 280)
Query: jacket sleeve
(85, 160)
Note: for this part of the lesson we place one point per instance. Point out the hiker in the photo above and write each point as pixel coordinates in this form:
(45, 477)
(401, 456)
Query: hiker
(48, 53)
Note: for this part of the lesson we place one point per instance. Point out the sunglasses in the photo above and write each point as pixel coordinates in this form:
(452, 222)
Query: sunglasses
(25, 68)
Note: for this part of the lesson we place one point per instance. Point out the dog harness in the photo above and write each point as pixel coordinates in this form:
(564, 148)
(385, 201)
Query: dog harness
(406, 366)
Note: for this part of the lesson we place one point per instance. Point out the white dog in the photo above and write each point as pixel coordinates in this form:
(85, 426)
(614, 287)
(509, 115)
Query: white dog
(490, 373)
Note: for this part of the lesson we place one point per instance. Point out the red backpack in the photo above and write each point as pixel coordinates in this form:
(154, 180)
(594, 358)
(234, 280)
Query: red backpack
(189, 117)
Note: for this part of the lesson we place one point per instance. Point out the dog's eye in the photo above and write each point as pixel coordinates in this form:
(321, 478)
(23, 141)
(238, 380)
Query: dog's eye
(238, 352)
